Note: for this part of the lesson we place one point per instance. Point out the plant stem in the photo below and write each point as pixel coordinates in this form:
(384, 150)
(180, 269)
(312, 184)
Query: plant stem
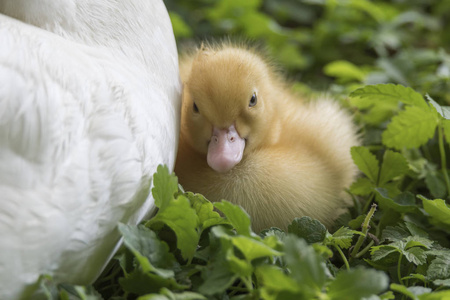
(365, 229)
(398, 269)
(366, 206)
(363, 251)
(443, 159)
(343, 257)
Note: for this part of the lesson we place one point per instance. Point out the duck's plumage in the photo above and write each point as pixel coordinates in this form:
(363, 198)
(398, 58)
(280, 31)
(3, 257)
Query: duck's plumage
(89, 106)
(296, 160)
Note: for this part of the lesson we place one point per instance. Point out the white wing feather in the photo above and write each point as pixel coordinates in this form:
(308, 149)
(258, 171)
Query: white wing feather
(82, 130)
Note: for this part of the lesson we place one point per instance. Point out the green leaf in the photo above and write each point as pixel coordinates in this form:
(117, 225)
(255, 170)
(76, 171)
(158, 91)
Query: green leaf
(380, 252)
(403, 289)
(439, 268)
(444, 111)
(344, 70)
(253, 249)
(437, 209)
(416, 255)
(394, 234)
(275, 280)
(411, 128)
(217, 277)
(238, 266)
(442, 282)
(366, 162)
(362, 187)
(435, 183)
(404, 202)
(183, 220)
(391, 93)
(165, 186)
(417, 241)
(166, 294)
(342, 238)
(441, 295)
(238, 218)
(311, 230)
(141, 283)
(205, 211)
(394, 164)
(152, 254)
(306, 266)
(357, 283)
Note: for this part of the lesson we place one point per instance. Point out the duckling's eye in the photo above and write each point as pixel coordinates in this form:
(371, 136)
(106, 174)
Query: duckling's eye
(195, 108)
(253, 100)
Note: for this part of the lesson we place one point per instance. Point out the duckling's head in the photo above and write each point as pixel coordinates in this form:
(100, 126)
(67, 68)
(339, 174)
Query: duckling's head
(227, 112)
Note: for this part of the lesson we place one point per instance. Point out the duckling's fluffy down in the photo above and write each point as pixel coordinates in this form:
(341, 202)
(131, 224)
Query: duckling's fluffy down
(296, 161)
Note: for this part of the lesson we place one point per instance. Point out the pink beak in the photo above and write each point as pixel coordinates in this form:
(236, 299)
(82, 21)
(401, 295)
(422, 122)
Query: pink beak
(225, 149)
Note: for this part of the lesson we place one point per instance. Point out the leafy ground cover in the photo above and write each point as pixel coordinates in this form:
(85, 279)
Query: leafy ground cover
(388, 63)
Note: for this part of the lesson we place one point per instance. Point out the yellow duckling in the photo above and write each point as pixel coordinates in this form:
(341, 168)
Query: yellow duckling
(245, 137)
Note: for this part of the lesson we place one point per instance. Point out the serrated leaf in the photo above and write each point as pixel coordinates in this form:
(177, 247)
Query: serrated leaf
(366, 162)
(439, 268)
(165, 186)
(404, 202)
(342, 238)
(311, 230)
(357, 283)
(417, 241)
(437, 209)
(183, 220)
(394, 234)
(394, 164)
(379, 252)
(416, 255)
(236, 215)
(362, 187)
(391, 93)
(205, 211)
(152, 254)
(411, 128)
(416, 230)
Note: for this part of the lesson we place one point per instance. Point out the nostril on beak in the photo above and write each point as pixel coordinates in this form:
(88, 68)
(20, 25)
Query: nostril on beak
(232, 139)
(216, 139)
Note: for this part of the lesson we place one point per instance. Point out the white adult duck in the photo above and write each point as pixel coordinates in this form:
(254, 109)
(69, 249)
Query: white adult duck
(89, 106)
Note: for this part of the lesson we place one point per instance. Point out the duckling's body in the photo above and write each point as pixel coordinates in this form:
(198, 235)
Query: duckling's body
(295, 159)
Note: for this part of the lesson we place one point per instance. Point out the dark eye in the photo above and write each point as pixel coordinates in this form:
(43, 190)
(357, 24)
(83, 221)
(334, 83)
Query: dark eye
(253, 100)
(195, 108)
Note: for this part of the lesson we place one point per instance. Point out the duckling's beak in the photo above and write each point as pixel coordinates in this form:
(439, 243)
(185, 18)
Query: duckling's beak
(225, 149)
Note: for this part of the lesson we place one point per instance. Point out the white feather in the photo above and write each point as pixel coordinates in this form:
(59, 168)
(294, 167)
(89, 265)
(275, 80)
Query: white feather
(89, 106)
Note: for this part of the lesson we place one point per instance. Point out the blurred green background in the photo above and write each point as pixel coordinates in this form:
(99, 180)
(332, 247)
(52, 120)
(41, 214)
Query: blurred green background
(333, 45)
